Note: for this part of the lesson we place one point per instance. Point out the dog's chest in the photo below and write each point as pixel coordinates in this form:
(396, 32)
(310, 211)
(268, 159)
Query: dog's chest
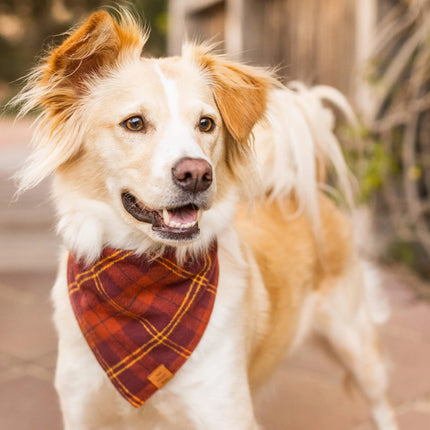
(211, 368)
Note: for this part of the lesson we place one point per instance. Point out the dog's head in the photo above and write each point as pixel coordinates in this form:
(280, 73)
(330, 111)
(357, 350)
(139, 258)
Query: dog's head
(145, 151)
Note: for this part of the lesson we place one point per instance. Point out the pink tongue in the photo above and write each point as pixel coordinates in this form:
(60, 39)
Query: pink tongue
(183, 215)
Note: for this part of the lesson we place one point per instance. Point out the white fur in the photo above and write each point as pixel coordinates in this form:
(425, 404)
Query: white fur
(169, 152)
(344, 318)
(298, 131)
(170, 92)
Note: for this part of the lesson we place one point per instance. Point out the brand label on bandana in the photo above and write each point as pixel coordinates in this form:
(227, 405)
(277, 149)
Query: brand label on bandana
(142, 316)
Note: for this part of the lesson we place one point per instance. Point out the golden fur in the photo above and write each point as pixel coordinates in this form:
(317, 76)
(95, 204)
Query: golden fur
(291, 268)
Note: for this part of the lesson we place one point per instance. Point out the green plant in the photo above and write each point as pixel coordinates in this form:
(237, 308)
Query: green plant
(398, 165)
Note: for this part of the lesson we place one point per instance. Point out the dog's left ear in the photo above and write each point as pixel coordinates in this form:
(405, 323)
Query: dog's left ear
(240, 91)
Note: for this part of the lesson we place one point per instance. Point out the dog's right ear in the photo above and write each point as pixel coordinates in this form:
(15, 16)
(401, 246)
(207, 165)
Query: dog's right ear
(65, 76)
(94, 48)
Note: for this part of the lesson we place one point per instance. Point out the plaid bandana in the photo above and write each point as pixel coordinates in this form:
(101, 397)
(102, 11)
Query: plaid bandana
(142, 316)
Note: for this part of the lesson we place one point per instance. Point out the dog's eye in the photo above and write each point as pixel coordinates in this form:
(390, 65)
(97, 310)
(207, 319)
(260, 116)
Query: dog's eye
(134, 123)
(206, 124)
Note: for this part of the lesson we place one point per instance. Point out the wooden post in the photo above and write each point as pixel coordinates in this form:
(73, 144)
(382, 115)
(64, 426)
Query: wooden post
(316, 41)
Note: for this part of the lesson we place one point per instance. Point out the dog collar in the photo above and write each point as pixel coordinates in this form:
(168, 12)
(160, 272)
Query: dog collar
(142, 316)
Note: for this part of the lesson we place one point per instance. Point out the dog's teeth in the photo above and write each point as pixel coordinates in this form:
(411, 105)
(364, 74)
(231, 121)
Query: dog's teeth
(174, 224)
(166, 217)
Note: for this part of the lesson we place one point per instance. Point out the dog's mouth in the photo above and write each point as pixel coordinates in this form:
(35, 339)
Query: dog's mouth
(178, 223)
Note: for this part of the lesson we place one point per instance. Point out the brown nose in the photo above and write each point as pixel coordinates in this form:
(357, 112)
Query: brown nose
(192, 174)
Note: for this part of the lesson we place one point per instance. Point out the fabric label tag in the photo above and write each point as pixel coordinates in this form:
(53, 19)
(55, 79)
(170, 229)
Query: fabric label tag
(160, 376)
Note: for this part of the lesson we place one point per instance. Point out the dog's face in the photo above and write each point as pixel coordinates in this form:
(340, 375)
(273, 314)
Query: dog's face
(155, 145)
(149, 149)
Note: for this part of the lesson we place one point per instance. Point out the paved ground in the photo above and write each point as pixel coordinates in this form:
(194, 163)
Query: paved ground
(311, 393)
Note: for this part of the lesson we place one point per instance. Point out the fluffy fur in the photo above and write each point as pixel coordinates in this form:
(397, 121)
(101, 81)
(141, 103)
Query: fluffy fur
(287, 260)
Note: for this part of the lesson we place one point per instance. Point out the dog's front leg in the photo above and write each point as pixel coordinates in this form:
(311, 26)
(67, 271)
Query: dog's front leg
(88, 400)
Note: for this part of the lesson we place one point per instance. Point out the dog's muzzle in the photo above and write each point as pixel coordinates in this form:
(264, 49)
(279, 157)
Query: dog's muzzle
(179, 222)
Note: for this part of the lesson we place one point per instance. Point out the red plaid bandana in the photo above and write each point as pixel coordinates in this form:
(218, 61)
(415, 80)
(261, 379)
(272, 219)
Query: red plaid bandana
(142, 316)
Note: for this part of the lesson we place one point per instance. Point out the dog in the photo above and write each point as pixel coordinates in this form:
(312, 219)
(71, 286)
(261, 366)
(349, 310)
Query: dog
(209, 173)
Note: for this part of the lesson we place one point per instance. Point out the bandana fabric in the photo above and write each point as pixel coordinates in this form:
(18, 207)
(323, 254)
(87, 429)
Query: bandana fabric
(142, 316)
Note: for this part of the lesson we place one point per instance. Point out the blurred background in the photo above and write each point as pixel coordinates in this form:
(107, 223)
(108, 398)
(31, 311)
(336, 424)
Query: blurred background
(375, 51)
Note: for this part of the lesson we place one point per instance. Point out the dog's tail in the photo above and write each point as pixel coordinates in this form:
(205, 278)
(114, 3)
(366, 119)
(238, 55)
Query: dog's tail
(296, 146)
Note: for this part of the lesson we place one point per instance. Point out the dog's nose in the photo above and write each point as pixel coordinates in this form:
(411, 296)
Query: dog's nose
(192, 174)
